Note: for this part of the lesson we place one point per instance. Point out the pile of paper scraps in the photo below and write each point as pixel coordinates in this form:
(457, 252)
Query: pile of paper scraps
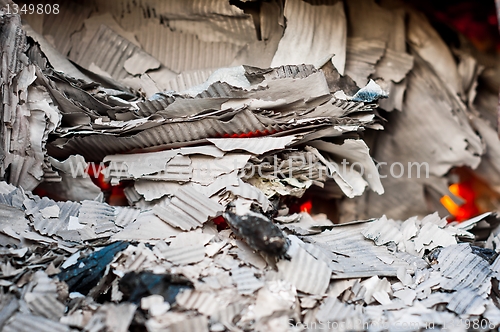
(155, 155)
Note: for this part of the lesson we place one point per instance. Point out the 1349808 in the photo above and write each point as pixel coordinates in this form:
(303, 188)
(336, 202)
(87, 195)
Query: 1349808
(33, 9)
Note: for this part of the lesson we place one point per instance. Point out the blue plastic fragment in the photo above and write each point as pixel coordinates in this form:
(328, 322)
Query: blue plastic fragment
(371, 92)
(86, 273)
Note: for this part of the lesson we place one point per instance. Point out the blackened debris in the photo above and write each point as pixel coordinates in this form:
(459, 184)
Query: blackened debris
(259, 232)
(487, 254)
(87, 271)
(135, 286)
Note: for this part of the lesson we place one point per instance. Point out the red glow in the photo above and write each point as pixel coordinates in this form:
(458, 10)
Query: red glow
(116, 193)
(475, 20)
(49, 194)
(40, 192)
(468, 209)
(306, 206)
(256, 133)
(477, 195)
(97, 176)
(220, 222)
(117, 197)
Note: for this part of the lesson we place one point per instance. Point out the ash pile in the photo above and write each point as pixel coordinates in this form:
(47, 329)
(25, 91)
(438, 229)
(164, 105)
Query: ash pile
(163, 164)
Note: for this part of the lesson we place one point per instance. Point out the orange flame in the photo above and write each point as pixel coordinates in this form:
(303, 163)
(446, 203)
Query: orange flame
(468, 209)
(477, 195)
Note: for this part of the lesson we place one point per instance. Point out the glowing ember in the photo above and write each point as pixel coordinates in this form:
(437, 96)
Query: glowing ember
(117, 196)
(476, 20)
(465, 211)
(220, 222)
(116, 193)
(97, 176)
(306, 206)
(478, 197)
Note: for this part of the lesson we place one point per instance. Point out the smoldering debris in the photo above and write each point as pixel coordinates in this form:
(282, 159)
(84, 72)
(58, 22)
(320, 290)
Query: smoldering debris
(153, 154)
(369, 269)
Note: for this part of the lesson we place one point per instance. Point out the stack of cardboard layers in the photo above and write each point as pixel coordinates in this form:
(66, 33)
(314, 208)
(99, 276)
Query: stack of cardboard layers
(191, 109)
